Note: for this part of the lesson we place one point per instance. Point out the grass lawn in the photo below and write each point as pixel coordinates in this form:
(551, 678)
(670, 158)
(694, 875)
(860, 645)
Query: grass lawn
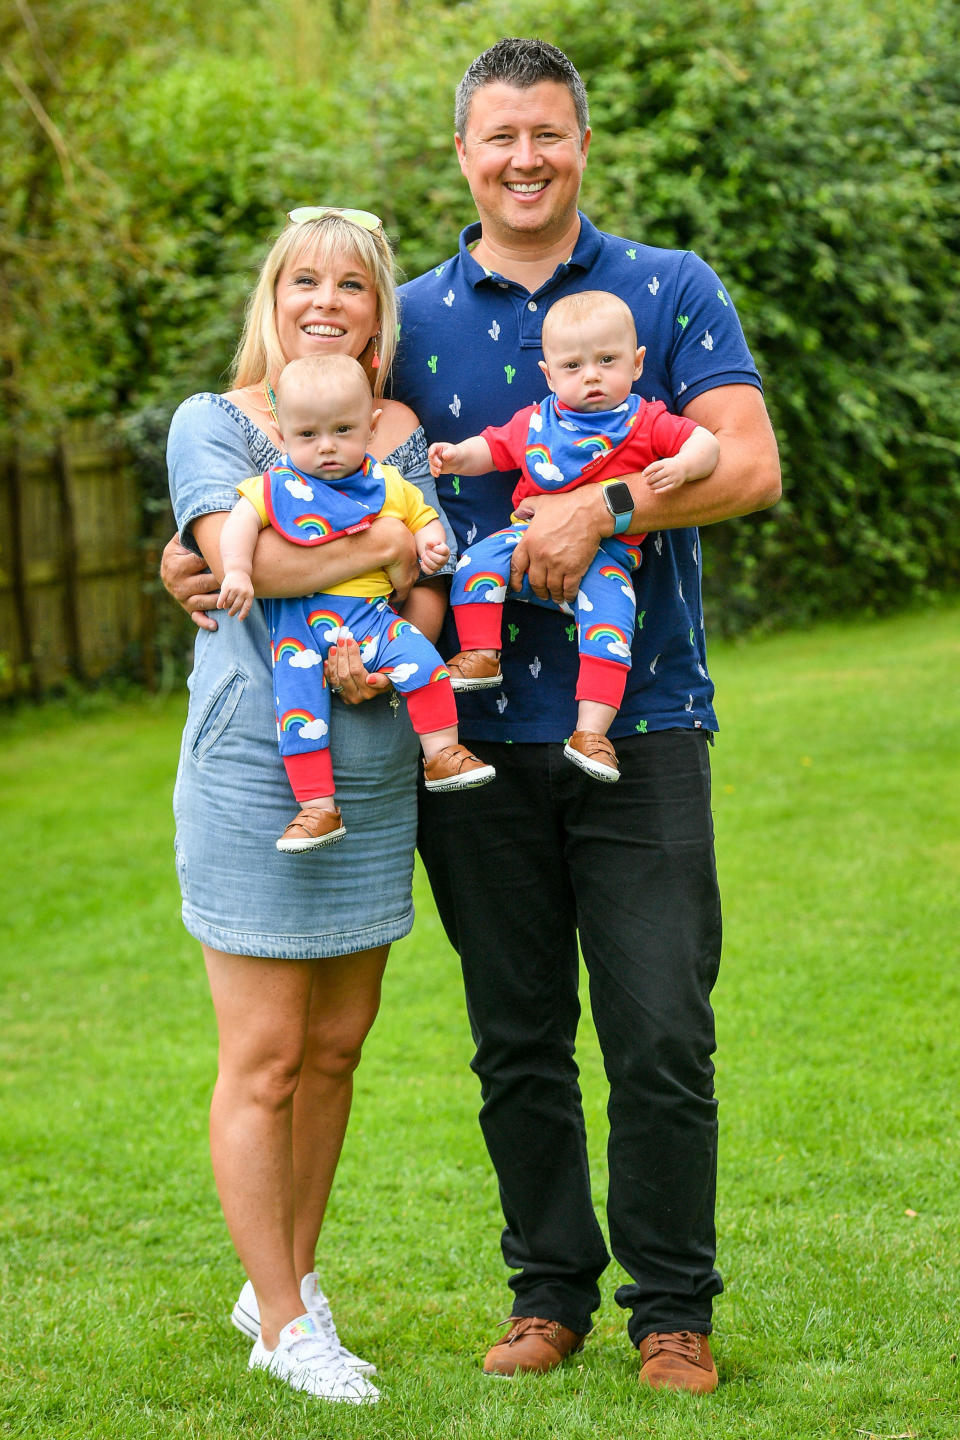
(837, 803)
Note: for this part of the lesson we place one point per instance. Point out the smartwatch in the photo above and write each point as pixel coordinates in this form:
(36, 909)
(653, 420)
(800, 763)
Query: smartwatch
(619, 502)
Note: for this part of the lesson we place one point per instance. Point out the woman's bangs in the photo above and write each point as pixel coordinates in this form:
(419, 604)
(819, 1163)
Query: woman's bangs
(331, 241)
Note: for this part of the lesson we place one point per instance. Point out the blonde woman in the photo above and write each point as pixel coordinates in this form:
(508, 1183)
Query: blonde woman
(294, 948)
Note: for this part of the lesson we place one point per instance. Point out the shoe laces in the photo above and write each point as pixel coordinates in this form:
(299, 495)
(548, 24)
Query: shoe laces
(320, 1352)
(318, 1346)
(529, 1324)
(677, 1342)
(324, 1322)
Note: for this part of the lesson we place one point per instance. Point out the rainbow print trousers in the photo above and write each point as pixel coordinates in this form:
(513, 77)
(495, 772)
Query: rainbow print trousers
(301, 632)
(605, 608)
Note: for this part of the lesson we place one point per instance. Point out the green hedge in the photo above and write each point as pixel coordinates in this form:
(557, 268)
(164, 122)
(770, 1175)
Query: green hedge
(812, 159)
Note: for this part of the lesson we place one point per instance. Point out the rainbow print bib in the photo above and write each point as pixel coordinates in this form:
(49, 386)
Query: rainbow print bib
(564, 445)
(310, 512)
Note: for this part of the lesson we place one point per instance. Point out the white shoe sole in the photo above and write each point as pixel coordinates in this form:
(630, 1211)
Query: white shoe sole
(464, 782)
(341, 1386)
(294, 847)
(459, 683)
(592, 767)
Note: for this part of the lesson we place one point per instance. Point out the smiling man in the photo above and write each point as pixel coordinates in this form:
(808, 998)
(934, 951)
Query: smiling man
(523, 868)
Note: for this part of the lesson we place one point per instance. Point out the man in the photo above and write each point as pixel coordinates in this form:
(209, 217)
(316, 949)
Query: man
(520, 868)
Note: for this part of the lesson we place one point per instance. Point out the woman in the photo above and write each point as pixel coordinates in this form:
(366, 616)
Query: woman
(295, 980)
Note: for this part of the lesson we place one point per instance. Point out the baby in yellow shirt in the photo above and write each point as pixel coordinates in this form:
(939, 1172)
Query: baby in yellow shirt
(328, 486)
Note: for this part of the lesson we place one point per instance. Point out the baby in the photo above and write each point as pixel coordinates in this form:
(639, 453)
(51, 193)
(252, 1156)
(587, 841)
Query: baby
(328, 486)
(591, 427)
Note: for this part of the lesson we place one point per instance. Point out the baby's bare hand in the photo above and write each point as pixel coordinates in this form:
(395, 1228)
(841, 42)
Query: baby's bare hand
(236, 594)
(435, 555)
(442, 458)
(664, 475)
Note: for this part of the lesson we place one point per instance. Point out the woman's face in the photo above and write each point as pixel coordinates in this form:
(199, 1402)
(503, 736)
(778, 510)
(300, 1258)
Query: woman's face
(326, 304)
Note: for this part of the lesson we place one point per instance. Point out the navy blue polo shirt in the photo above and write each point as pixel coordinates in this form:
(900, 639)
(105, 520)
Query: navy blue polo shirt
(468, 353)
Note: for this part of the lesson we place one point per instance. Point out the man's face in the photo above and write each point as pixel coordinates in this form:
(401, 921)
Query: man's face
(523, 159)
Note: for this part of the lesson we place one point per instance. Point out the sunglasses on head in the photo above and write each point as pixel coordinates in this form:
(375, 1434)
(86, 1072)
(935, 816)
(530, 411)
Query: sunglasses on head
(364, 218)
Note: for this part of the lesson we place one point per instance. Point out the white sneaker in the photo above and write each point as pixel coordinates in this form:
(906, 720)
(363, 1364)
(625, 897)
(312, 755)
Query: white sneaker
(246, 1317)
(307, 1360)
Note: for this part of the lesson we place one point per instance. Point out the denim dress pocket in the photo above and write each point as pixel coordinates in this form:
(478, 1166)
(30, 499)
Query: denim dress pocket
(217, 713)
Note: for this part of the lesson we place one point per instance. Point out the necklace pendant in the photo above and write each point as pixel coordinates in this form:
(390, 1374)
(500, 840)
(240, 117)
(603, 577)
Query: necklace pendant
(271, 400)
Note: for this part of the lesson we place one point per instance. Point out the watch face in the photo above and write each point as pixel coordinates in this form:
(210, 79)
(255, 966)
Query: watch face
(618, 498)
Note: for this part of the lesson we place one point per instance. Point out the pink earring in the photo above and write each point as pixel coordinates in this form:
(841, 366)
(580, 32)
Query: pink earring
(375, 361)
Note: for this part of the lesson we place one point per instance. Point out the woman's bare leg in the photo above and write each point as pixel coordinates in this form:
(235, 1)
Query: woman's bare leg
(262, 1008)
(343, 1006)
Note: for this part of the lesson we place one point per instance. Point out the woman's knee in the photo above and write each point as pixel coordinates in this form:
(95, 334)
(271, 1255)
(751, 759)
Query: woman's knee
(334, 1049)
(344, 1006)
(263, 1075)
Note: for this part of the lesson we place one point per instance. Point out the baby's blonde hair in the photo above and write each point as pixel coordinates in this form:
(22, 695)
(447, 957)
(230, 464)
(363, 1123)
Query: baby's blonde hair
(314, 372)
(584, 306)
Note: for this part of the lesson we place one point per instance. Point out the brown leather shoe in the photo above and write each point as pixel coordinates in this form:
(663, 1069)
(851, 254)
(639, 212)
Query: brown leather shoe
(594, 754)
(472, 670)
(679, 1360)
(454, 768)
(310, 830)
(531, 1344)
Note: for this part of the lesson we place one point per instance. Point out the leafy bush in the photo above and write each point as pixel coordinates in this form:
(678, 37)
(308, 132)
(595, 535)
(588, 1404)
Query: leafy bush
(813, 160)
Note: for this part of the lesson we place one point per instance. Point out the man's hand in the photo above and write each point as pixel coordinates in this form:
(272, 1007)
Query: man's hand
(191, 584)
(347, 677)
(559, 543)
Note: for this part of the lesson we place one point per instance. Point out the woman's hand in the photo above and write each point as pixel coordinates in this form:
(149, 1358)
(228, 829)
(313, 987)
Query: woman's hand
(347, 677)
(186, 577)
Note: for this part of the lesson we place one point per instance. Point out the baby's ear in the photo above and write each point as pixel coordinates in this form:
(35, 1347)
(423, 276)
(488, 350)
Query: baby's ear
(546, 372)
(638, 370)
(375, 420)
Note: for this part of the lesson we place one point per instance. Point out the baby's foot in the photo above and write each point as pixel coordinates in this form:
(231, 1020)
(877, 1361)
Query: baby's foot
(454, 768)
(311, 829)
(473, 670)
(594, 754)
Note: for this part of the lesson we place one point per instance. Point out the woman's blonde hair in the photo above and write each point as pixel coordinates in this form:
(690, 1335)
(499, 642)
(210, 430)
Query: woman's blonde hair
(259, 356)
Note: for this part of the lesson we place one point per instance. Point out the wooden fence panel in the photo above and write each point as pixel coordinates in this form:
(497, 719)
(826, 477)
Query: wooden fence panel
(74, 602)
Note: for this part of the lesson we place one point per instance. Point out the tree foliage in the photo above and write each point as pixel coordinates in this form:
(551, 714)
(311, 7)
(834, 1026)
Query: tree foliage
(812, 158)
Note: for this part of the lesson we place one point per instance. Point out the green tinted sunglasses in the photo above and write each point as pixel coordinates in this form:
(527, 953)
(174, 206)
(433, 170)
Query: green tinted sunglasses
(364, 218)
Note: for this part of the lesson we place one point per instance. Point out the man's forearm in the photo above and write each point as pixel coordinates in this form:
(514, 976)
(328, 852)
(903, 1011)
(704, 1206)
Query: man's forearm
(746, 477)
(566, 528)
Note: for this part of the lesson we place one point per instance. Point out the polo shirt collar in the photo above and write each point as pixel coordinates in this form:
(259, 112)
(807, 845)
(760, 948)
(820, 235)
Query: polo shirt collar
(585, 252)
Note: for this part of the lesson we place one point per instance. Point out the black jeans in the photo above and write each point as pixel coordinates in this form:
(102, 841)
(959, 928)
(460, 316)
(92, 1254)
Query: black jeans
(518, 868)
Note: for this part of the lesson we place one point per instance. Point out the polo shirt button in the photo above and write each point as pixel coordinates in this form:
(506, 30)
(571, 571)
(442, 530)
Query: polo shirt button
(531, 304)
(503, 284)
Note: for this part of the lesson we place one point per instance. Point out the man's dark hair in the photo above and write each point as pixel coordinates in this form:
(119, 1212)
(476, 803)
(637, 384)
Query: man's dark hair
(521, 63)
